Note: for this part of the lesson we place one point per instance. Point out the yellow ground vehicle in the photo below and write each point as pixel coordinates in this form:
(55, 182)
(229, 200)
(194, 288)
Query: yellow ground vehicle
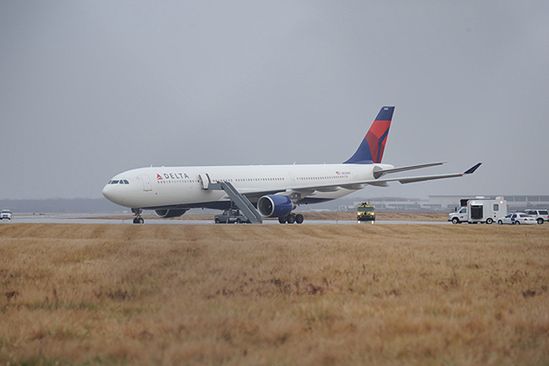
(365, 212)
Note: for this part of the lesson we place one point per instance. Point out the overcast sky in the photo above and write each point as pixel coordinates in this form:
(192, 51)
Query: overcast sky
(92, 88)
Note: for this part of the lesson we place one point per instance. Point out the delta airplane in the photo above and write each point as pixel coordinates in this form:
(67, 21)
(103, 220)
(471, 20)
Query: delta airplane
(275, 190)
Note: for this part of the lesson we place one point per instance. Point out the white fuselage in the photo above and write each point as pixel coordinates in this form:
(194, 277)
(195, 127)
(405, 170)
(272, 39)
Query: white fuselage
(157, 187)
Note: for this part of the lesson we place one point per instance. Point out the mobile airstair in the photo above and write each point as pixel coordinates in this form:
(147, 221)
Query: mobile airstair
(243, 203)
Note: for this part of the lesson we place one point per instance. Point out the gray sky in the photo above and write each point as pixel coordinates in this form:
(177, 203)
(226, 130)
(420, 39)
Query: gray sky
(92, 88)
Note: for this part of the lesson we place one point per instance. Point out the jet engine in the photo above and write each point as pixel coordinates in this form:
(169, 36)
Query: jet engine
(275, 206)
(165, 214)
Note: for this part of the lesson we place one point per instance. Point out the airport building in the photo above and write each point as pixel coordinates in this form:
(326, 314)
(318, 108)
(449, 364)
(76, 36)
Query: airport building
(448, 203)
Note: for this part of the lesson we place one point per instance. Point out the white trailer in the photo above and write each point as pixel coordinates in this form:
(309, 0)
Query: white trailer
(479, 209)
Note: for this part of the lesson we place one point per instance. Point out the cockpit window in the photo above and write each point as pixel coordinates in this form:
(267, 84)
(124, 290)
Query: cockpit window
(126, 181)
(114, 182)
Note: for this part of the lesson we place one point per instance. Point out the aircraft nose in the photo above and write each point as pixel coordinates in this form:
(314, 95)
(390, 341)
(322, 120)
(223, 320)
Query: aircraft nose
(117, 193)
(108, 192)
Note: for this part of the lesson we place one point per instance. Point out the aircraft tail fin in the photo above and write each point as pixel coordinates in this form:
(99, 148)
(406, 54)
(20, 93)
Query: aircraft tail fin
(372, 146)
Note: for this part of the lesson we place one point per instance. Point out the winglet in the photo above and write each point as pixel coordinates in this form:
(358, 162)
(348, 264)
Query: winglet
(472, 170)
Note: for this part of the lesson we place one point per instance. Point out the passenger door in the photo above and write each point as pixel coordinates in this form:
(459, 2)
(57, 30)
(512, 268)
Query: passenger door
(462, 214)
(205, 180)
(147, 185)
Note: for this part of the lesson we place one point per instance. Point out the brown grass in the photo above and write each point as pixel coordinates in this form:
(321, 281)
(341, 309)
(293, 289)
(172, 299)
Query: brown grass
(255, 295)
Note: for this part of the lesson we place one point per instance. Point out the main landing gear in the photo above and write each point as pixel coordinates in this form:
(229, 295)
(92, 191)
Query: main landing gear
(138, 219)
(291, 219)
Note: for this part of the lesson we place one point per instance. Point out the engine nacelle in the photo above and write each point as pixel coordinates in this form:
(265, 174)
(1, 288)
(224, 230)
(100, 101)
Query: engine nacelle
(165, 214)
(275, 206)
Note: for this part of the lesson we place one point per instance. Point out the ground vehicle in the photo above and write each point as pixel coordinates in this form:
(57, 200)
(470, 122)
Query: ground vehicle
(517, 218)
(459, 216)
(231, 216)
(475, 210)
(540, 215)
(5, 215)
(365, 212)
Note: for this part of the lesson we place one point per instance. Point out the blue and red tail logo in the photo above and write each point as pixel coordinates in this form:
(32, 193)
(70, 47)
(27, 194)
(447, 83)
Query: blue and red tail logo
(372, 147)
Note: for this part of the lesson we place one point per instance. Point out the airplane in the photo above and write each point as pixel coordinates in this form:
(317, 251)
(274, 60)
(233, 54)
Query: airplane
(274, 190)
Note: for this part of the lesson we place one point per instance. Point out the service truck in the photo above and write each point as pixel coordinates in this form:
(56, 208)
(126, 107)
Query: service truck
(365, 212)
(479, 210)
(5, 215)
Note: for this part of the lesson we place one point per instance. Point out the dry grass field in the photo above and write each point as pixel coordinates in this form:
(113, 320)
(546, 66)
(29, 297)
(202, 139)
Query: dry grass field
(274, 294)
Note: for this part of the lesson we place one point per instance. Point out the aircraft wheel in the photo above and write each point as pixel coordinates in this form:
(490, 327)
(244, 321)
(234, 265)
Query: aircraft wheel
(489, 221)
(282, 219)
(291, 218)
(299, 218)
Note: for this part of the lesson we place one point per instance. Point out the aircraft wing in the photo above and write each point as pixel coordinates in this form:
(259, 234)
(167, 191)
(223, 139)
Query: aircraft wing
(403, 180)
(302, 192)
(423, 178)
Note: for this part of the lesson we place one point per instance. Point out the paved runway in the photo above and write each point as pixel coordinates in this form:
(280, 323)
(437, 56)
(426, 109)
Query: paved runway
(88, 219)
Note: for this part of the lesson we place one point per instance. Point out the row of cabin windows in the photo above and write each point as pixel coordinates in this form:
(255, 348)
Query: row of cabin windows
(176, 181)
(226, 180)
(319, 178)
(253, 180)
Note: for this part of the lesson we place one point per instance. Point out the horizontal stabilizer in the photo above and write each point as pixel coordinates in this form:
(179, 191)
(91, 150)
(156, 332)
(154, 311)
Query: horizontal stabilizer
(379, 173)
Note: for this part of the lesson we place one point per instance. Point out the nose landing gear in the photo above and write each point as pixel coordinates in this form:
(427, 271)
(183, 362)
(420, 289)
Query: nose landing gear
(138, 219)
(291, 219)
